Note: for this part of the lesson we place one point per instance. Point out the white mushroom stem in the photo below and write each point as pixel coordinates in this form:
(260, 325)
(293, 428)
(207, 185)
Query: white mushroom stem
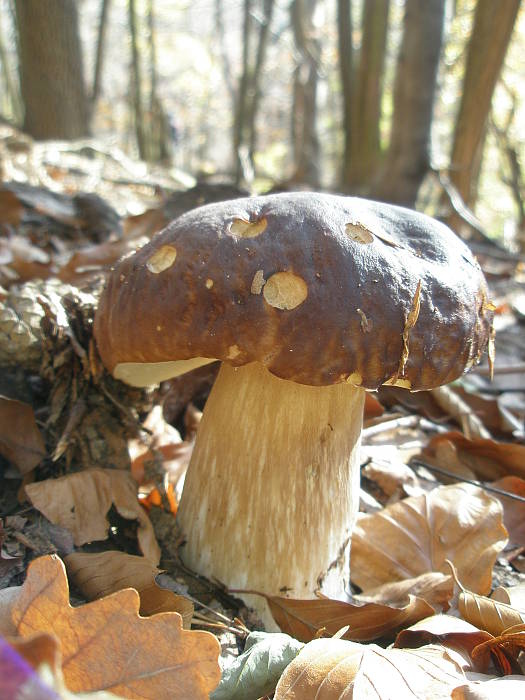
(272, 490)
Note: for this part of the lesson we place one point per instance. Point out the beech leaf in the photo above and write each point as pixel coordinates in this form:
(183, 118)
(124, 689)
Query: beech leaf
(79, 502)
(107, 645)
(307, 619)
(330, 669)
(98, 575)
(418, 534)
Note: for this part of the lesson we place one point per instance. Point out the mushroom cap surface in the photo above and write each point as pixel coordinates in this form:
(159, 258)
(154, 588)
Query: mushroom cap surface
(319, 288)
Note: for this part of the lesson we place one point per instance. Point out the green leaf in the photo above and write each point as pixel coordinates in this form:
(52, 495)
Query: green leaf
(256, 671)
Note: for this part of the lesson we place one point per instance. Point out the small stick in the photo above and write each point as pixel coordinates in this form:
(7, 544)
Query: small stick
(504, 369)
(403, 422)
(451, 475)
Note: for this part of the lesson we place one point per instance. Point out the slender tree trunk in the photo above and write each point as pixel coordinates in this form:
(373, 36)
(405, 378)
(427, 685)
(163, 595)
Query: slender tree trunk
(101, 45)
(221, 39)
(249, 93)
(239, 128)
(344, 23)
(490, 37)
(51, 71)
(366, 103)
(408, 156)
(304, 112)
(11, 102)
(256, 91)
(136, 79)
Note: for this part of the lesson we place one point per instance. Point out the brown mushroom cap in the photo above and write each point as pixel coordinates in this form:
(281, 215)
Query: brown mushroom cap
(318, 288)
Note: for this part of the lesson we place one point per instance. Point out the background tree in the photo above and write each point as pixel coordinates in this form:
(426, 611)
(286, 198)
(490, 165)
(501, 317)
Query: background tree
(51, 70)
(362, 156)
(152, 128)
(256, 32)
(408, 158)
(305, 142)
(489, 40)
(100, 53)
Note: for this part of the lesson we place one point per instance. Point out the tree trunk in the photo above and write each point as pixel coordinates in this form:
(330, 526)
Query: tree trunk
(364, 151)
(408, 156)
(51, 71)
(344, 23)
(10, 103)
(256, 91)
(239, 128)
(491, 32)
(99, 60)
(304, 112)
(249, 92)
(136, 78)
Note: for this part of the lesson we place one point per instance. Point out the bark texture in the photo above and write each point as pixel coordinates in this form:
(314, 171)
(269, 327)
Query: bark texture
(304, 111)
(51, 71)
(364, 149)
(344, 24)
(491, 32)
(408, 157)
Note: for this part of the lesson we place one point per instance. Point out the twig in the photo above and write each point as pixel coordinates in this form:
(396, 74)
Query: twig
(493, 489)
(203, 621)
(505, 369)
(404, 422)
(457, 408)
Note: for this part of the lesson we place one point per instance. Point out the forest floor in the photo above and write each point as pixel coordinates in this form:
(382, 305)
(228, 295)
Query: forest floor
(67, 212)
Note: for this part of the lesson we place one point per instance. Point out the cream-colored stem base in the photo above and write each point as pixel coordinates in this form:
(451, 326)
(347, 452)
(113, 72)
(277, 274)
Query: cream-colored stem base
(272, 490)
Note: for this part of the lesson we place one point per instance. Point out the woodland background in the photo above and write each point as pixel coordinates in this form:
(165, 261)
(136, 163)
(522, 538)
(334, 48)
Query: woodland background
(389, 99)
(116, 116)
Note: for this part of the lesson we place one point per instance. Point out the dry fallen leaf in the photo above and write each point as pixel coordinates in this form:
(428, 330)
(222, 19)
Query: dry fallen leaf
(372, 408)
(503, 649)
(513, 595)
(510, 687)
(107, 645)
(20, 439)
(80, 502)
(513, 510)
(487, 459)
(395, 478)
(30, 668)
(488, 614)
(333, 669)
(98, 575)
(416, 535)
(434, 587)
(8, 597)
(307, 619)
(446, 630)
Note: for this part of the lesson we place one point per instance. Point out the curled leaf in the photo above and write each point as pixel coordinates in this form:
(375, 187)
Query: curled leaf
(80, 502)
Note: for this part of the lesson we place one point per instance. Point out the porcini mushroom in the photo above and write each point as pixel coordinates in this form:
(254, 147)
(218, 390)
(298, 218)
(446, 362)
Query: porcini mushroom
(308, 300)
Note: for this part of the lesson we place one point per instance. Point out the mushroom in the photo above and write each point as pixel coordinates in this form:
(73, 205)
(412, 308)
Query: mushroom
(308, 300)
